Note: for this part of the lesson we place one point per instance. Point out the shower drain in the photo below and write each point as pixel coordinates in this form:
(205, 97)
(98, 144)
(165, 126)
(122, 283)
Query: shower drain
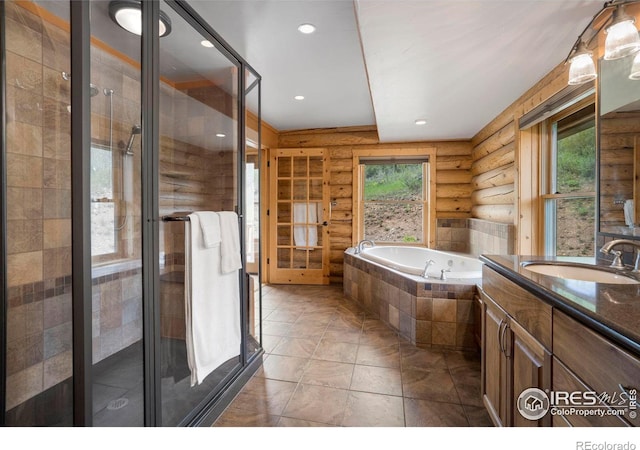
(117, 403)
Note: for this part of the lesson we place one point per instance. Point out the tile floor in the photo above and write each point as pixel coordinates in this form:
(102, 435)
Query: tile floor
(329, 363)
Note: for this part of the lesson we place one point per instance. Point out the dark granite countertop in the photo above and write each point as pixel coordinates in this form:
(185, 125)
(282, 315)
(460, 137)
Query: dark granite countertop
(611, 309)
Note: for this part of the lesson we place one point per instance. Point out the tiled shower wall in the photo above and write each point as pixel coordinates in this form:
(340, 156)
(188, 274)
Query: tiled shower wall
(474, 236)
(39, 327)
(38, 206)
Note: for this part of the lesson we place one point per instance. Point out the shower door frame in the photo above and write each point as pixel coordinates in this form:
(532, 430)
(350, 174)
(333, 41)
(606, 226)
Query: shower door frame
(80, 48)
(4, 291)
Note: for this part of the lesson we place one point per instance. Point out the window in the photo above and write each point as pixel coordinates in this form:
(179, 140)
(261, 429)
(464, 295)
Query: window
(569, 183)
(393, 201)
(103, 211)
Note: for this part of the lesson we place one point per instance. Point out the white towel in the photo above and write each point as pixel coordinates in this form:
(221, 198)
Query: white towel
(210, 225)
(629, 213)
(305, 235)
(212, 306)
(231, 259)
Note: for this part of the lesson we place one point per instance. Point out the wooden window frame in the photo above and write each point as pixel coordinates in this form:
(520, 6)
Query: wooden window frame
(429, 188)
(547, 174)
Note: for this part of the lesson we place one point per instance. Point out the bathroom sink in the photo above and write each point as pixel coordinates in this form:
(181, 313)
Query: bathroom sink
(578, 272)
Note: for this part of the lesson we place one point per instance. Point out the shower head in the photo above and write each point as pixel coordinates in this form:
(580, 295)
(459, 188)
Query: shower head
(93, 89)
(135, 130)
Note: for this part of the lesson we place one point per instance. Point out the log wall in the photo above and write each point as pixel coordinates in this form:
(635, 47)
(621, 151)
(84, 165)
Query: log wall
(453, 177)
(505, 166)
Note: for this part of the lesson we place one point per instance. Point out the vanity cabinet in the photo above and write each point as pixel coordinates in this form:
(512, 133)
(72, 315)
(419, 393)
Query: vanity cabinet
(516, 333)
(584, 360)
(527, 342)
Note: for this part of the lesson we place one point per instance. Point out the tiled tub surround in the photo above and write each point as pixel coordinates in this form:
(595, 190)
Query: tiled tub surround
(452, 235)
(428, 313)
(474, 236)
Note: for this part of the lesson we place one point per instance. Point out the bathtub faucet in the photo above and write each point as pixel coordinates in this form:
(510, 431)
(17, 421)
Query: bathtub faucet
(442, 273)
(426, 268)
(360, 245)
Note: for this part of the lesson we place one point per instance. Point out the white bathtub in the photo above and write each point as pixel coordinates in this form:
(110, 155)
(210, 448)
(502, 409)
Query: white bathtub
(412, 260)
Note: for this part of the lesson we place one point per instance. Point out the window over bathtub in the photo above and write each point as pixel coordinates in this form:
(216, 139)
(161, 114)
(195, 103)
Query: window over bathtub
(394, 197)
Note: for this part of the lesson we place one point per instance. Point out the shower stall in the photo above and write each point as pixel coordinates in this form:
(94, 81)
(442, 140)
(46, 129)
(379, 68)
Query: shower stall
(113, 134)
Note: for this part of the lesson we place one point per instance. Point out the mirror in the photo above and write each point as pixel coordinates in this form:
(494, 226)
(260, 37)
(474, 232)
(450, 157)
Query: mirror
(619, 158)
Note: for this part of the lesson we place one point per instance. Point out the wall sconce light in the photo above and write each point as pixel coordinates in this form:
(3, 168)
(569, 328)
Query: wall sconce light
(582, 68)
(622, 40)
(622, 35)
(128, 14)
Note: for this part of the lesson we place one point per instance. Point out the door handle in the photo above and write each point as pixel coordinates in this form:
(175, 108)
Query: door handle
(331, 205)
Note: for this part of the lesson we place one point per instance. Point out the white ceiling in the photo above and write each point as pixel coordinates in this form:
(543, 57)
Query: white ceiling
(455, 63)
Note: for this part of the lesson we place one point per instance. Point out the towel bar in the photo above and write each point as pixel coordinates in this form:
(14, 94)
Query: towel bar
(184, 217)
(175, 218)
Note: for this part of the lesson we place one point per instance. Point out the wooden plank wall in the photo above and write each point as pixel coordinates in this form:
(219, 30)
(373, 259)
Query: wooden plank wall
(453, 178)
(617, 177)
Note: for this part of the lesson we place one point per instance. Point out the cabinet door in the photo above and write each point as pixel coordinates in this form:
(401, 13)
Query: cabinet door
(565, 380)
(495, 371)
(531, 368)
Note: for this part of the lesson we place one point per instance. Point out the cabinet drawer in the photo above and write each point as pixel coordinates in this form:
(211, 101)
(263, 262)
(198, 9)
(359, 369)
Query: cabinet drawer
(533, 314)
(565, 380)
(600, 364)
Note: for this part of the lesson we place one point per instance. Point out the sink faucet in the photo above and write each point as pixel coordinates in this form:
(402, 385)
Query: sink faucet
(617, 260)
(360, 245)
(426, 268)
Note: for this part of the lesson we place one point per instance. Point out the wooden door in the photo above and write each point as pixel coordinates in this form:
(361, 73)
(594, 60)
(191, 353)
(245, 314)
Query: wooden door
(299, 216)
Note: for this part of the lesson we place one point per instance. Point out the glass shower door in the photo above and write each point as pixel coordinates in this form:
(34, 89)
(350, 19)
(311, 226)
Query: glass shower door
(198, 155)
(116, 235)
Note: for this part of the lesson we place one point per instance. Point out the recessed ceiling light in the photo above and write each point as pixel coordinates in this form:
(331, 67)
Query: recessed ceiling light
(220, 135)
(299, 97)
(421, 122)
(206, 43)
(306, 28)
